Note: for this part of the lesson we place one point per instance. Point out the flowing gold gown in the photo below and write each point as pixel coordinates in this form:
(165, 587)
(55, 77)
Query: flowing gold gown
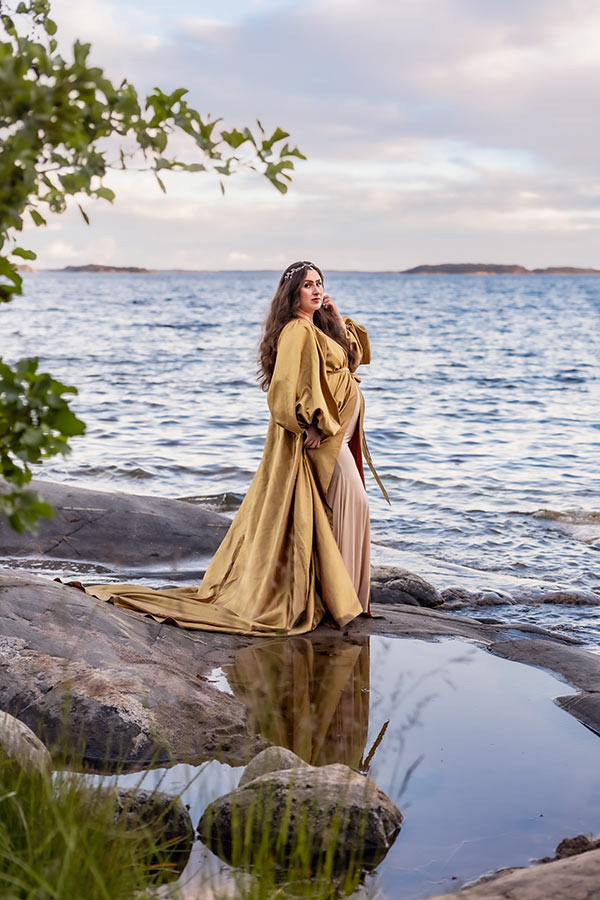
(279, 568)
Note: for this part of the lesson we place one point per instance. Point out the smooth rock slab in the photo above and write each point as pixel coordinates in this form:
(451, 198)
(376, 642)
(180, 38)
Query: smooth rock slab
(303, 806)
(117, 687)
(576, 878)
(116, 528)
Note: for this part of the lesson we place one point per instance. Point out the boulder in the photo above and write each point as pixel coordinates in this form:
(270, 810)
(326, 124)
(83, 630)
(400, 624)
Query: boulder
(118, 688)
(19, 743)
(302, 809)
(573, 846)
(391, 585)
(165, 816)
(116, 529)
(458, 598)
(273, 759)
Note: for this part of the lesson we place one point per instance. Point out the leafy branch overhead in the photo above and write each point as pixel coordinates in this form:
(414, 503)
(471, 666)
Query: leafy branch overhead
(35, 423)
(63, 126)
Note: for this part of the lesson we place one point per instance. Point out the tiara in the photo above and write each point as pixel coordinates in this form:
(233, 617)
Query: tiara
(304, 265)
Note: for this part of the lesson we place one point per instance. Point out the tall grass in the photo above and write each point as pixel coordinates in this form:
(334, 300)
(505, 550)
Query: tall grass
(60, 840)
(278, 852)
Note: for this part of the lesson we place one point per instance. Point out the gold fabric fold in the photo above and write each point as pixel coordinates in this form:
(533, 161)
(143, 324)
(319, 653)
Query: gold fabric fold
(278, 569)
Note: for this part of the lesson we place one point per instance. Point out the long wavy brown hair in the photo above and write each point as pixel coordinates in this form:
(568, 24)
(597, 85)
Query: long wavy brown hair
(284, 305)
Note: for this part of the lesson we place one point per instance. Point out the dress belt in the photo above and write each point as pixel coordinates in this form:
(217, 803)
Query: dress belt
(367, 456)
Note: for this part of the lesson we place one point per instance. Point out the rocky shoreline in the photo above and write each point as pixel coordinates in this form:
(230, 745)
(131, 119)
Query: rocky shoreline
(139, 692)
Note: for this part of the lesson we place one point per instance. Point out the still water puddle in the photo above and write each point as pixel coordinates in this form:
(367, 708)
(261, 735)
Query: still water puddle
(486, 769)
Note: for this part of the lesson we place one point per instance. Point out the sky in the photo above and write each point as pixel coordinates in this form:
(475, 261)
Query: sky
(435, 131)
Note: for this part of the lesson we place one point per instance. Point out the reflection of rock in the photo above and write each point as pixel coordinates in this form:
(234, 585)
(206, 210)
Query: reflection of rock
(585, 707)
(390, 584)
(19, 743)
(115, 685)
(311, 696)
(305, 807)
(566, 879)
(166, 818)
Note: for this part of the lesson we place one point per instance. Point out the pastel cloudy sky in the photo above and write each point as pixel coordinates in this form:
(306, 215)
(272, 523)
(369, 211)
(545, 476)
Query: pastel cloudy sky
(435, 131)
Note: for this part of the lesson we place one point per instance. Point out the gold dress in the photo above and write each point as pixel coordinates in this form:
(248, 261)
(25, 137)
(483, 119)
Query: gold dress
(279, 568)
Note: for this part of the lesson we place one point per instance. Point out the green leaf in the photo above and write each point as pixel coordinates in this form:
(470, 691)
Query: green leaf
(234, 138)
(9, 25)
(86, 218)
(24, 254)
(37, 218)
(105, 193)
(42, 509)
(278, 135)
(50, 27)
(160, 183)
(192, 167)
(68, 424)
(288, 151)
(8, 270)
(160, 141)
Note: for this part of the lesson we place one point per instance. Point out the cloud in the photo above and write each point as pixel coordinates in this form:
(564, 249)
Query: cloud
(423, 120)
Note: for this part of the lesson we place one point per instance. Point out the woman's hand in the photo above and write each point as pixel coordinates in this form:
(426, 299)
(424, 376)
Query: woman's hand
(312, 437)
(329, 305)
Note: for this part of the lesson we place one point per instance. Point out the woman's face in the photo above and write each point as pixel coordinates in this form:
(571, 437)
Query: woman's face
(311, 293)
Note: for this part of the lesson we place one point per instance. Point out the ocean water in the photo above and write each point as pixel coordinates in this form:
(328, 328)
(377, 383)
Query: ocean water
(482, 412)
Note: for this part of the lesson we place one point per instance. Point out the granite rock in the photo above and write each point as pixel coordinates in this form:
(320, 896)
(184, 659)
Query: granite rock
(318, 806)
(19, 743)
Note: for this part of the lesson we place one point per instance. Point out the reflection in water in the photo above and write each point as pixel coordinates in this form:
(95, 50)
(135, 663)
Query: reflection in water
(311, 696)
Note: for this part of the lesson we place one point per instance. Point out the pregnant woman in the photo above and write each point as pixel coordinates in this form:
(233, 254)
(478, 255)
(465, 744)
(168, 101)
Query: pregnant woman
(298, 547)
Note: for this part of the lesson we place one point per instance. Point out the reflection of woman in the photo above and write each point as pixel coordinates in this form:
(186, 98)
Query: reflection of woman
(299, 544)
(311, 698)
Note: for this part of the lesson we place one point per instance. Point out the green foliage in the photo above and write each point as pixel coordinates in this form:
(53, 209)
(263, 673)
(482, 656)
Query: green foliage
(60, 840)
(35, 423)
(61, 121)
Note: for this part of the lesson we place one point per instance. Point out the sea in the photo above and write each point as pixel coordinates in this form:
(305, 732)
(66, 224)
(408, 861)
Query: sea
(482, 414)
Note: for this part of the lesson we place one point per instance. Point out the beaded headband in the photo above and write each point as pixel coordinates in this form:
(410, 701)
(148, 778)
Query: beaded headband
(304, 265)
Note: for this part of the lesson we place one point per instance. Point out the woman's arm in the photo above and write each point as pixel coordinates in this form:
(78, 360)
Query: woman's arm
(359, 342)
(356, 335)
(299, 397)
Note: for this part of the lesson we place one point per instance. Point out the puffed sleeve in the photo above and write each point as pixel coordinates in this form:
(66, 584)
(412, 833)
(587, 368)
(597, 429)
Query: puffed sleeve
(359, 340)
(299, 395)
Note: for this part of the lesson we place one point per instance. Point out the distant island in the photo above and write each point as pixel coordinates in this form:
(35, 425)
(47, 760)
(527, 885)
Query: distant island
(94, 267)
(494, 269)
(443, 269)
